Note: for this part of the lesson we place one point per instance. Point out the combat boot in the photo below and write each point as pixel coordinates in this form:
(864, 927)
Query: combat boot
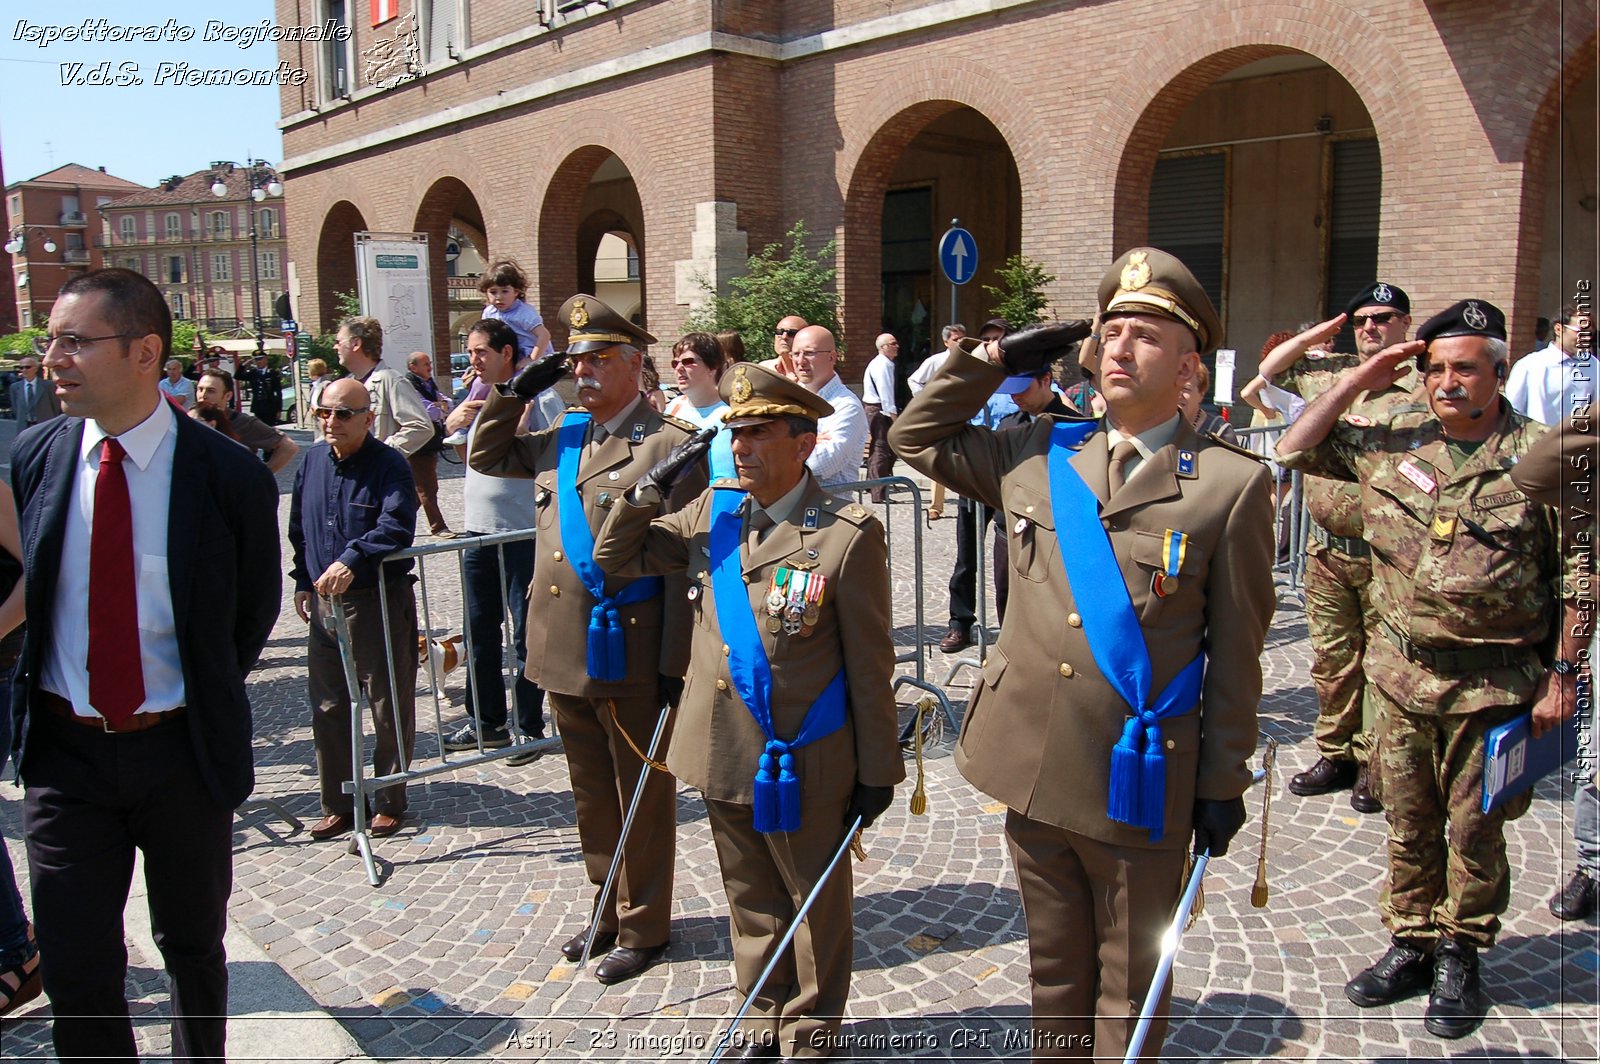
(1325, 776)
(1399, 973)
(1576, 900)
(1455, 1007)
(1362, 800)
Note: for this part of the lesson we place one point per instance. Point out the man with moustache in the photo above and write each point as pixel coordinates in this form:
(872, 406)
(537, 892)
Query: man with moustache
(1464, 575)
(606, 651)
(1141, 557)
(1340, 616)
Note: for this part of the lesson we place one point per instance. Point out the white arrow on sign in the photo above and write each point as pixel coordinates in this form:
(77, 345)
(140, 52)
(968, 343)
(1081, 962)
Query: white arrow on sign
(959, 252)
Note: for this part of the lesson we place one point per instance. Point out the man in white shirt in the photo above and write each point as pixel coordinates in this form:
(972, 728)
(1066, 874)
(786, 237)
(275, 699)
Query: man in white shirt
(841, 435)
(952, 335)
(1550, 384)
(177, 387)
(877, 397)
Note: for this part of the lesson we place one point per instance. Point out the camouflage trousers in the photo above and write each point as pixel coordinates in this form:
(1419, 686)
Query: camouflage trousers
(1447, 859)
(1339, 617)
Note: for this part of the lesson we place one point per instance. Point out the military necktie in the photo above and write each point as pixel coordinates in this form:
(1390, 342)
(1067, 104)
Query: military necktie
(760, 521)
(1117, 472)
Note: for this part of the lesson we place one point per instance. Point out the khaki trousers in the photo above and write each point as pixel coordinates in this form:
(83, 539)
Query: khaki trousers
(1096, 913)
(767, 878)
(604, 771)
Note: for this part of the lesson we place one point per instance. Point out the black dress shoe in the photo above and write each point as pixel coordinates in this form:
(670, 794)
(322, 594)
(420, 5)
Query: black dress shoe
(1399, 973)
(572, 948)
(1455, 1007)
(1361, 796)
(1575, 900)
(758, 1050)
(1323, 777)
(625, 962)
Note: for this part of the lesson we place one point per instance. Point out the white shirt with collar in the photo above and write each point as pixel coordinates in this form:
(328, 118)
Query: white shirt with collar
(878, 386)
(841, 436)
(1147, 443)
(1548, 384)
(151, 445)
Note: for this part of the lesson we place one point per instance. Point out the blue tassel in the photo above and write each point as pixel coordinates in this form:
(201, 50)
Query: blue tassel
(766, 815)
(1153, 783)
(788, 794)
(596, 645)
(1123, 801)
(616, 647)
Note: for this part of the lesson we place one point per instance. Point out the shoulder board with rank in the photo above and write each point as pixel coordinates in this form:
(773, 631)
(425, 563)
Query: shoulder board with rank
(726, 483)
(678, 422)
(1212, 437)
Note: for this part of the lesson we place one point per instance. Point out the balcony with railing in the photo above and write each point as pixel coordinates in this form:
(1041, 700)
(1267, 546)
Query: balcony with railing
(74, 218)
(79, 256)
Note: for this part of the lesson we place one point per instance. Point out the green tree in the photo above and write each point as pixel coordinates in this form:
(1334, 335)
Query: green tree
(1019, 298)
(774, 285)
(19, 344)
(346, 305)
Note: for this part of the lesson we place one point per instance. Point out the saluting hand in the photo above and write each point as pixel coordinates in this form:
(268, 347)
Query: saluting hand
(1031, 350)
(665, 473)
(539, 375)
(1386, 367)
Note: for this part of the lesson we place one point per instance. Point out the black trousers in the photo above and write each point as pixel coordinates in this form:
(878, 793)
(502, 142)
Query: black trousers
(91, 799)
(964, 578)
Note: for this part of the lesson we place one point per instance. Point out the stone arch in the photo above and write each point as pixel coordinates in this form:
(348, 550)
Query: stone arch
(569, 231)
(336, 261)
(446, 198)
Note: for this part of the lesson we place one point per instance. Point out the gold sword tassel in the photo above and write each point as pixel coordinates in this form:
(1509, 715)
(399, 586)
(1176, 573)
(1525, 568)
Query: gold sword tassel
(1259, 892)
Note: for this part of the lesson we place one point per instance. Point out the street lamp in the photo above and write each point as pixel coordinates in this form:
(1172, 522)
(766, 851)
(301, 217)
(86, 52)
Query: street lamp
(263, 182)
(19, 237)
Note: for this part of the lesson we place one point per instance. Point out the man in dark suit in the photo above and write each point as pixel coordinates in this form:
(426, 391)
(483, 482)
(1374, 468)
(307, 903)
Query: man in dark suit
(33, 399)
(144, 536)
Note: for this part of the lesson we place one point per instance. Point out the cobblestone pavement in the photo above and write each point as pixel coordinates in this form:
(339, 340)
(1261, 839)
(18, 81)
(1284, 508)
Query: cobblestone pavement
(455, 954)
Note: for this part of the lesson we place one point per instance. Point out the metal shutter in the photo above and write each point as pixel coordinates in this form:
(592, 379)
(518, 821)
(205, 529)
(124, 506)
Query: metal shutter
(1189, 215)
(1356, 175)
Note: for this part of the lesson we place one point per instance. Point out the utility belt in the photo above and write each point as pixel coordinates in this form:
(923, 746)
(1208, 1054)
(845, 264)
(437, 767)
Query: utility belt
(139, 722)
(1353, 546)
(1458, 659)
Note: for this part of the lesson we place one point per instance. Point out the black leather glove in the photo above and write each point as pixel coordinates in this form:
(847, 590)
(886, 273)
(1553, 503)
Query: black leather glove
(1031, 350)
(537, 376)
(1216, 823)
(868, 803)
(665, 473)
(671, 688)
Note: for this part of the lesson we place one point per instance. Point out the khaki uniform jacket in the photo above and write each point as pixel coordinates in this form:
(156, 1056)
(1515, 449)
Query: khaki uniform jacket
(718, 742)
(1461, 557)
(558, 605)
(1043, 721)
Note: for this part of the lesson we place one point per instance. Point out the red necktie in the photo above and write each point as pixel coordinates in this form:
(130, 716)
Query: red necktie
(116, 671)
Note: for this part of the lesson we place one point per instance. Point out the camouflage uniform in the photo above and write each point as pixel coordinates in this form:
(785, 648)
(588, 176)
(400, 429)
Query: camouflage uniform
(1339, 613)
(1465, 571)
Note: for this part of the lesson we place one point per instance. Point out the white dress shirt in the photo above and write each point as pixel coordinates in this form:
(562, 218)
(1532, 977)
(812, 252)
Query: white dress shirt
(1549, 384)
(148, 467)
(878, 387)
(924, 373)
(840, 436)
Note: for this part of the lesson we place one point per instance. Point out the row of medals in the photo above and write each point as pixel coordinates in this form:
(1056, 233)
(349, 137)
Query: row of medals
(794, 600)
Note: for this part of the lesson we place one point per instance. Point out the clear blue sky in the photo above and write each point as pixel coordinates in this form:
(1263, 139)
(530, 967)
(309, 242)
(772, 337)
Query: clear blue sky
(140, 132)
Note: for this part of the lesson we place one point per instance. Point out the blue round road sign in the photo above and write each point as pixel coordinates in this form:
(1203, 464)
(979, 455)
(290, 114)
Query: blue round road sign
(958, 255)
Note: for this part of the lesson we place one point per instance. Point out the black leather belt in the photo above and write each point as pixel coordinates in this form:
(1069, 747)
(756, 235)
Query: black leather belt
(1458, 659)
(139, 722)
(1354, 546)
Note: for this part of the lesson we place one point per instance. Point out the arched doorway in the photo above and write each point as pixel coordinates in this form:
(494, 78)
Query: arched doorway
(1261, 169)
(450, 215)
(591, 236)
(931, 163)
(336, 263)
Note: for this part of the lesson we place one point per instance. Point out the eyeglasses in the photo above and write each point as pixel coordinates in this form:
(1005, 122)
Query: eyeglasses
(342, 413)
(690, 361)
(1381, 318)
(71, 343)
(790, 333)
(595, 359)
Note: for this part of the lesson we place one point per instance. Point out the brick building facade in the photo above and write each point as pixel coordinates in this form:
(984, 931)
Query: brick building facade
(1448, 145)
(196, 245)
(56, 208)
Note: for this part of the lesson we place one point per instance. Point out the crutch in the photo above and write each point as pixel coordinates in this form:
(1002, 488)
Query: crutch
(622, 838)
(783, 944)
(1170, 940)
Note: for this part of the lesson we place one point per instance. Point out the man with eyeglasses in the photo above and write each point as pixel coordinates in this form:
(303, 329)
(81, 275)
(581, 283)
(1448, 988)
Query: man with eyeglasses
(609, 653)
(354, 503)
(877, 396)
(33, 399)
(842, 435)
(1340, 614)
(783, 343)
(151, 548)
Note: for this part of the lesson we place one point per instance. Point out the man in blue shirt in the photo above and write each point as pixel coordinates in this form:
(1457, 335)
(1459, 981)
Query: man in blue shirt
(354, 503)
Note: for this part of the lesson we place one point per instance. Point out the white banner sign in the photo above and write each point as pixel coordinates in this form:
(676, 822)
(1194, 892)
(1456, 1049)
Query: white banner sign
(392, 279)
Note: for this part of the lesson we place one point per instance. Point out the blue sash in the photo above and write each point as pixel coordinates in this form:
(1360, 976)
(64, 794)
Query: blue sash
(1138, 766)
(607, 646)
(777, 793)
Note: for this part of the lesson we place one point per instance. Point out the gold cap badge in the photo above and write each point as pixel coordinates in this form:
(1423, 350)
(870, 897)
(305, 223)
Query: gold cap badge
(580, 314)
(741, 384)
(1136, 274)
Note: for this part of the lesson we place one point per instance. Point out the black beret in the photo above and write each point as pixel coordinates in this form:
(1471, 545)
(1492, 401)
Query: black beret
(1380, 294)
(1470, 317)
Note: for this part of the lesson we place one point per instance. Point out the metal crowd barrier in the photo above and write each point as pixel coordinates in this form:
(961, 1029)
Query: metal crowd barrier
(1291, 522)
(361, 785)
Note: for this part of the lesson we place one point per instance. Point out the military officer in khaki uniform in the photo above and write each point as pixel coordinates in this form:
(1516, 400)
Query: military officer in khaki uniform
(1136, 546)
(1464, 569)
(1339, 612)
(796, 580)
(602, 661)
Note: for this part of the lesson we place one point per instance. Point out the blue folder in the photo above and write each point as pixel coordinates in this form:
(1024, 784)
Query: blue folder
(1513, 760)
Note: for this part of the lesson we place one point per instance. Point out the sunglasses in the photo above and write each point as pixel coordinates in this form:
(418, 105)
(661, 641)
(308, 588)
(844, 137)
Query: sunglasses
(790, 333)
(1381, 318)
(341, 413)
(690, 361)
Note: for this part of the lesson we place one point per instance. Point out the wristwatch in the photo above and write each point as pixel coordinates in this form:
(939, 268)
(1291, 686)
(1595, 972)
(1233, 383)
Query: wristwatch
(1563, 667)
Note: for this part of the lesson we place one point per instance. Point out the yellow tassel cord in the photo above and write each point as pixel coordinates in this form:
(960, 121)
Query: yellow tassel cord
(657, 765)
(1259, 892)
(919, 796)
